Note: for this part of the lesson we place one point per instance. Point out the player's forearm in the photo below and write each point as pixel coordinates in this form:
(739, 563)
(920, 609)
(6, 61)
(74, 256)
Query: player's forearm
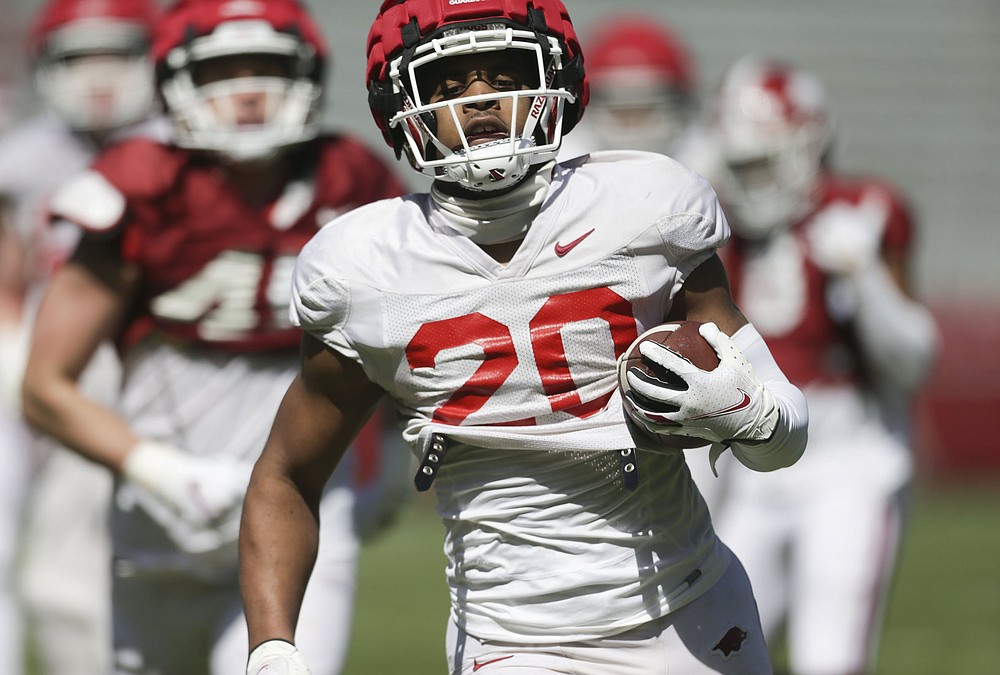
(56, 407)
(279, 538)
(897, 335)
(788, 441)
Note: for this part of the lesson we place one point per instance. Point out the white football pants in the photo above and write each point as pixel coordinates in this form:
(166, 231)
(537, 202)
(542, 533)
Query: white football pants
(718, 632)
(819, 538)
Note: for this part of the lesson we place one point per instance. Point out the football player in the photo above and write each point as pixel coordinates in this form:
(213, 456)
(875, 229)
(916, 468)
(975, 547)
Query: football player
(491, 311)
(185, 262)
(92, 72)
(820, 262)
(643, 92)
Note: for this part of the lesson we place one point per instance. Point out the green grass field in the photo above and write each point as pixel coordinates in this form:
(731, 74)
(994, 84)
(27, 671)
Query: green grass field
(943, 617)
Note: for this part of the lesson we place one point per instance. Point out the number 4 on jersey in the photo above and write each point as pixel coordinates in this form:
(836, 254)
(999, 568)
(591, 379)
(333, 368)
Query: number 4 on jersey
(231, 296)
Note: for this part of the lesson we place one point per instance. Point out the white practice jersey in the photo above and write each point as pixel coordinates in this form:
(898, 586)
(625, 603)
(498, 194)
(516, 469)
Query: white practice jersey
(515, 366)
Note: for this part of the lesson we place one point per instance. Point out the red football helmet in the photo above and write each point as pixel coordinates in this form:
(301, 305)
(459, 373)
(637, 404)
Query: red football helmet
(243, 78)
(90, 61)
(410, 34)
(774, 130)
(643, 85)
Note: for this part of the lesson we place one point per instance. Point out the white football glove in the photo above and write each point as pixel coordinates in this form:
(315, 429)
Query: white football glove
(276, 657)
(729, 403)
(845, 238)
(201, 490)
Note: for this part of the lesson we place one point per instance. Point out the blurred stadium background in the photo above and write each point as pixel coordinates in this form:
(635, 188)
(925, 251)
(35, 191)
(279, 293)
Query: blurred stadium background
(915, 86)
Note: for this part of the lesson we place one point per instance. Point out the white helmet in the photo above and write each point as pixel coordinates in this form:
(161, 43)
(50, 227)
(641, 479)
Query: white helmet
(774, 130)
(91, 64)
(211, 113)
(409, 35)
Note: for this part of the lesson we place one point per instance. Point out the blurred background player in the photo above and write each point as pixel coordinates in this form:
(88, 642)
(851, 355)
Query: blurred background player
(185, 262)
(820, 263)
(91, 70)
(644, 91)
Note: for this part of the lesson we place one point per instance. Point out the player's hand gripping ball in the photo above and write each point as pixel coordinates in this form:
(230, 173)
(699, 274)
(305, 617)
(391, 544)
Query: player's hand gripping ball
(683, 339)
(719, 398)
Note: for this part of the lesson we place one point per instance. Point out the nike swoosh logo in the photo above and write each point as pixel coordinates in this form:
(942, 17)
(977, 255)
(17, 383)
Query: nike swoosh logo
(476, 665)
(563, 249)
(731, 409)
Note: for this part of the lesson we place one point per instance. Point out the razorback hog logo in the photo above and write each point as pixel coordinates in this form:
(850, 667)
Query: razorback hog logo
(730, 643)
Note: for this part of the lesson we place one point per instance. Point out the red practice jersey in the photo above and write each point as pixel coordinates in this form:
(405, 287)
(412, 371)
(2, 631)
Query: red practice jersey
(216, 270)
(788, 297)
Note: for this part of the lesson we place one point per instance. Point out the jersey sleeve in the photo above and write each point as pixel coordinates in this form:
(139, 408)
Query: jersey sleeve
(650, 188)
(353, 173)
(90, 201)
(320, 300)
(691, 223)
(325, 281)
(98, 198)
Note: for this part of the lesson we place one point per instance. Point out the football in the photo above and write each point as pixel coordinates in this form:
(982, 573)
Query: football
(683, 339)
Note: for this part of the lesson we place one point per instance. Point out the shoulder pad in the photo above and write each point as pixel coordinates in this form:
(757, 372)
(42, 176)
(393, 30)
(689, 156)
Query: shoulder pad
(141, 168)
(350, 173)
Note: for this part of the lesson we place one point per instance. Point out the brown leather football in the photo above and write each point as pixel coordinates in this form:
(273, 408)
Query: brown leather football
(686, 342)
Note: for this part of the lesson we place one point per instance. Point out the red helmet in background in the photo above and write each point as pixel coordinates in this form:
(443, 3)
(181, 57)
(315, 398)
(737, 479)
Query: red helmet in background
(275, 54)
(90, 61)
(643, 84)
(641, 45)
(774, 130)
(407, 35)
